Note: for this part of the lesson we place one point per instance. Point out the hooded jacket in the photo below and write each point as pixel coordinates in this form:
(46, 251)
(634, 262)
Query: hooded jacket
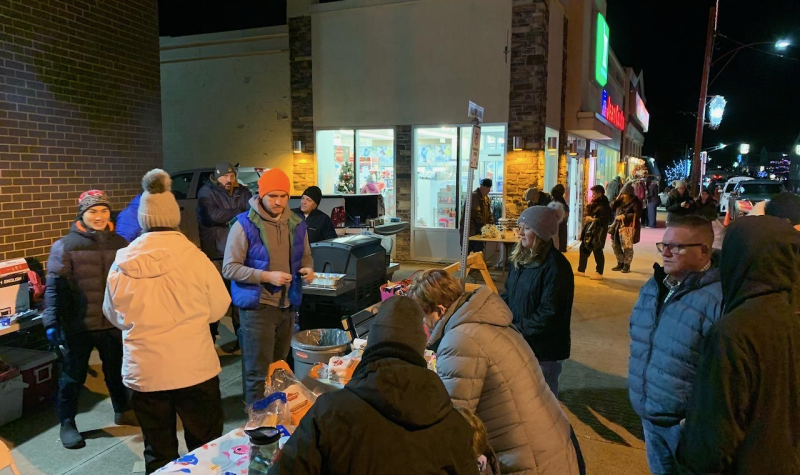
(280, 236)
(393, 417)
(128, 220)
(215, 210)
(488, 367)
(163, 292)
(76, 279)
(744, 414)
(666, 341)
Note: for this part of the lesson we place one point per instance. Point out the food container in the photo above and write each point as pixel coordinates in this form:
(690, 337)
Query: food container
(327, 281)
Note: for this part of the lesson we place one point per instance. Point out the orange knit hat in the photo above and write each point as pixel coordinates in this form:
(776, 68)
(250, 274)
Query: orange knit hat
(273, 179)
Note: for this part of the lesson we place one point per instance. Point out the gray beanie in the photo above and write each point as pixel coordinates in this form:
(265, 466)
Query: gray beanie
(399, 320)
(543, 220)
(157, 207)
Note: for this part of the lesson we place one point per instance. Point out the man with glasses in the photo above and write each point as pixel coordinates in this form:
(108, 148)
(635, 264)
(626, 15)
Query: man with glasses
(675, 312)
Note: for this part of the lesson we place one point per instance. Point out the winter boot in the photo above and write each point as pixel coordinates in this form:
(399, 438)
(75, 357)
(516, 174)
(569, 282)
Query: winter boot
(619, 267)
(626, 269)
(127, 418)
(70, 437)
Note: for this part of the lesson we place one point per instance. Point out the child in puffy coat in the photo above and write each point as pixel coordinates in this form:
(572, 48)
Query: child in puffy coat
(487, 460)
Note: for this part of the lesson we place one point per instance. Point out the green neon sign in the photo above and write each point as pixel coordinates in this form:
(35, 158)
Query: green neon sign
(601, 51)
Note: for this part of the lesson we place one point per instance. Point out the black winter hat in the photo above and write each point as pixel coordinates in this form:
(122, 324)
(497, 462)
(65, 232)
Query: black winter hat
(486, 182)
(314, 193)
(399, 320)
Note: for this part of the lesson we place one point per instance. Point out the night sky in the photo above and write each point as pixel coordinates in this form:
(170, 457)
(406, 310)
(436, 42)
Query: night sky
(666, 39)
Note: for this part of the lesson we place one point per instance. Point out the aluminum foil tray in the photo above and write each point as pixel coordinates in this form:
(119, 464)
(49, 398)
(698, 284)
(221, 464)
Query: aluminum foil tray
(327, 281)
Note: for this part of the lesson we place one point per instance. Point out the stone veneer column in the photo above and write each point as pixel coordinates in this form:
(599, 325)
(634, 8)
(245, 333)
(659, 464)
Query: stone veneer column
(527, 100)
(303, 164)
(564, 136)
(402, 170)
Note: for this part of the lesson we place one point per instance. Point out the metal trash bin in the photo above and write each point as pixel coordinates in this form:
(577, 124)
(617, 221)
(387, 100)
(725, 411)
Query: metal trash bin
(310, 347)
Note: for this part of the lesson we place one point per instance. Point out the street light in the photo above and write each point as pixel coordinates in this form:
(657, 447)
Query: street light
(744, 148)
(715, 110)
(782, 44)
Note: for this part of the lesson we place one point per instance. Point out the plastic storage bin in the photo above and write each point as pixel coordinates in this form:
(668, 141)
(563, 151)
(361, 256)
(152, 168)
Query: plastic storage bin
(38, 370)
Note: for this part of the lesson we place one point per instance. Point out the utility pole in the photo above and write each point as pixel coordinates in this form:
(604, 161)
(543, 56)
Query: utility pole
(701, 108)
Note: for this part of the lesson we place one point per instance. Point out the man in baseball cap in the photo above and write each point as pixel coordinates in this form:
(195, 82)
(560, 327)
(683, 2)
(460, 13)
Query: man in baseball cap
(267, 258)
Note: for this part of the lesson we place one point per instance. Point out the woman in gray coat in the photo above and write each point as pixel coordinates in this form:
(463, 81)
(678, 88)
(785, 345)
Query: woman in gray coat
(489, 368)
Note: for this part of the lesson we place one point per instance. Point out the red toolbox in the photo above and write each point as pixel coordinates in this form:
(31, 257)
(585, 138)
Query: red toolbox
(38, 369)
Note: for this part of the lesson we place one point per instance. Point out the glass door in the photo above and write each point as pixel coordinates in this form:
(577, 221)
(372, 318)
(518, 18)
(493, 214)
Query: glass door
(336, 162)
(491, 164)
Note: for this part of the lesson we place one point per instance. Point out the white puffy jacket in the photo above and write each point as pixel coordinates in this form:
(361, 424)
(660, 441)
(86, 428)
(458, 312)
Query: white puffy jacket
(163, 292)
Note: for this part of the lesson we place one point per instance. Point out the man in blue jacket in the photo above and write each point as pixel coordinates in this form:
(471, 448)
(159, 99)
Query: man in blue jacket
(674, 314)
(128, 221)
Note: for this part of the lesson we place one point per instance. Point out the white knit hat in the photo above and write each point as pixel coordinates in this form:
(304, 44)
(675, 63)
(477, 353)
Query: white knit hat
(157, 207)
(543, 220)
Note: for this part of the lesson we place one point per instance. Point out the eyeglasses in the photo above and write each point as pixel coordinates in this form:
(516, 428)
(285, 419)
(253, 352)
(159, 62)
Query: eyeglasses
(674, 248)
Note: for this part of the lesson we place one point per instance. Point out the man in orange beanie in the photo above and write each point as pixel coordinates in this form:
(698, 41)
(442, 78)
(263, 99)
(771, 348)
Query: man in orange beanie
(267, 257)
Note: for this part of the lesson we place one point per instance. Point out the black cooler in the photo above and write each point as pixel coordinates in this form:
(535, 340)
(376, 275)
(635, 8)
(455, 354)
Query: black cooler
(362, 259)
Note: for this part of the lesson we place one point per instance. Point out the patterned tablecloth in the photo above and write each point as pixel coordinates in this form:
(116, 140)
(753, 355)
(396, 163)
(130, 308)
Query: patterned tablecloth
(228, 455)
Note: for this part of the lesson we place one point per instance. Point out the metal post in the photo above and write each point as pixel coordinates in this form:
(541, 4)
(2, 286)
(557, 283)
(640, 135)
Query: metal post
(468, 204)
(694, 184)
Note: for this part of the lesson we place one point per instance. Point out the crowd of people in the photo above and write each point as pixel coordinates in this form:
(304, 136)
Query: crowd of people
(714, 333)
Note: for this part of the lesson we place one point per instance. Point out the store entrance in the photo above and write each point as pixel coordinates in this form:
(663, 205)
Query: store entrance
(576, 201)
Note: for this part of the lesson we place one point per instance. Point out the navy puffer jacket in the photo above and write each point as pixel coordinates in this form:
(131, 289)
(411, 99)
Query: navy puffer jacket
(667, 340)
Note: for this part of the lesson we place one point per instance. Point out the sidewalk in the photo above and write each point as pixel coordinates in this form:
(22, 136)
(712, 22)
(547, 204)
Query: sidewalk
(593, 389)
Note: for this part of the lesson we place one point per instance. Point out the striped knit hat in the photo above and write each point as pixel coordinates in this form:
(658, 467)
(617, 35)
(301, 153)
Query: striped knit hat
(92, 198)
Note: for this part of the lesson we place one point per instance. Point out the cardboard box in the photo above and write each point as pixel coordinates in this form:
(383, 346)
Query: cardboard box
(14, 296)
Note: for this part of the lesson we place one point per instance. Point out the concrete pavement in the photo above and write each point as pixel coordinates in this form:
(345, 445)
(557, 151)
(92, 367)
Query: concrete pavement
(593, 388)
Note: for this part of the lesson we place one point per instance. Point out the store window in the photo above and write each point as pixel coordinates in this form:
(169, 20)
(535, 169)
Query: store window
(491, 164)
(335, 162)
(353, 161)
(436, 166)
(376, 165)
(606, 165)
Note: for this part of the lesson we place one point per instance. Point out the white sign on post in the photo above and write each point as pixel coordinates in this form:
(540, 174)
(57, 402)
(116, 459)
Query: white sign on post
(476, 147)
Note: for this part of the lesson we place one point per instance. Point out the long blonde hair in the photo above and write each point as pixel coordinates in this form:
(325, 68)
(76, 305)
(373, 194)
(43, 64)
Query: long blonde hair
(522, 257)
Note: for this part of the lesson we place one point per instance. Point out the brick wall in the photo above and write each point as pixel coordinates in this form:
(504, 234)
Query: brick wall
(80, 108)
(402, 169)
(302, 101)
(527, 99)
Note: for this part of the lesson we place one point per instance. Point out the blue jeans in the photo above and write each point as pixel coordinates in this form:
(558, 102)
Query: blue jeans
(265, 336)
(551, 371)
(661, 444)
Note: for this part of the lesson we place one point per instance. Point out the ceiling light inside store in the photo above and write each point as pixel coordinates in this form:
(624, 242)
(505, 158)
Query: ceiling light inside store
(433, 133)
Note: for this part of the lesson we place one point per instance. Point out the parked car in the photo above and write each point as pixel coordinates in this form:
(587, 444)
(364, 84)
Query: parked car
(186, 184)
(748, 193)
(726, 192)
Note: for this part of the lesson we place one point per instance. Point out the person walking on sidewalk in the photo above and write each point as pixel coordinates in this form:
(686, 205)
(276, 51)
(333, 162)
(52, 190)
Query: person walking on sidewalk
(218, 202)
(540, 289)
(613, 188)
(744, 412)
(561, 238)
(706, 206)
(675, 312)
(163, 292)
(593, 235)
(73, 317)
(267, 257)
(679, 202)
(394, 416)
(653, 202)
(627, 227)
(489, 369)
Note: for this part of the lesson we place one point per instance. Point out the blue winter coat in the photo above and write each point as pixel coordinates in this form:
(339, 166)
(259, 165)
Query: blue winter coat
(128, 220)
(666, 343)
